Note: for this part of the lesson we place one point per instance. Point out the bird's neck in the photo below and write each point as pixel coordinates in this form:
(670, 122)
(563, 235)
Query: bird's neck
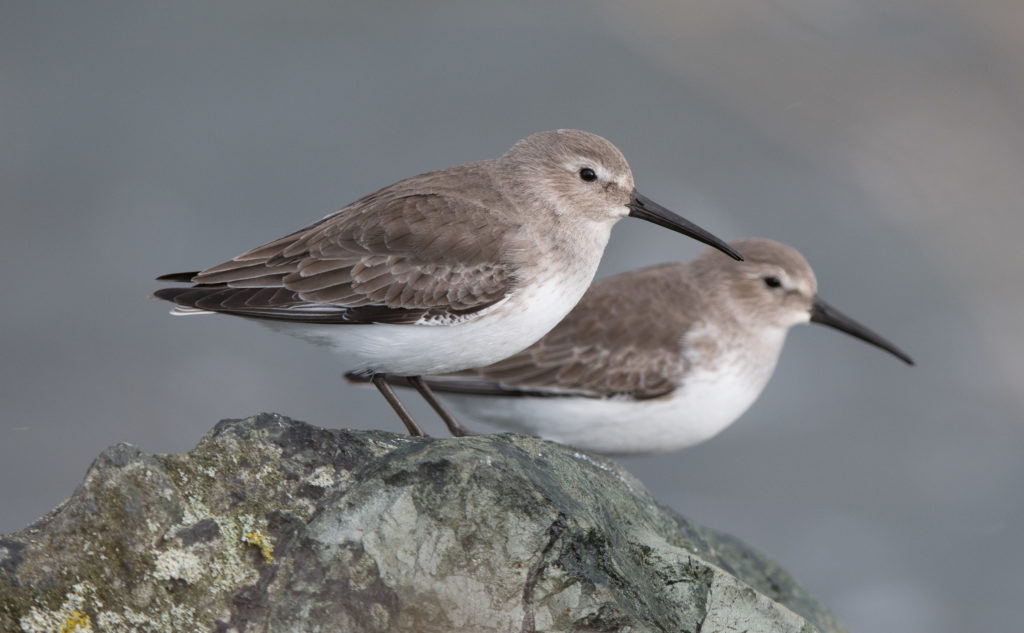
(577, 246)
(751, 352)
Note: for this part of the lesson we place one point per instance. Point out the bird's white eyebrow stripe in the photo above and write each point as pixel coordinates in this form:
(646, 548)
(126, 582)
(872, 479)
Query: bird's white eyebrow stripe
(602, 173)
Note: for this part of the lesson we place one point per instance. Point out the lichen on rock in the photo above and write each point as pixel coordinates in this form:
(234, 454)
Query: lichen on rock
(274, 525)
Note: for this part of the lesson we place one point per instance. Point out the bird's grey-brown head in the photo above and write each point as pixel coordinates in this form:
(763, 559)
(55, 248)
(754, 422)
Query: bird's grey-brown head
(573, 172)
(577, 174)
(775, 287)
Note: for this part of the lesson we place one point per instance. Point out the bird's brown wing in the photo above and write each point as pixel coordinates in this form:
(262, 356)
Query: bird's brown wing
(392, 257)
(620, 340)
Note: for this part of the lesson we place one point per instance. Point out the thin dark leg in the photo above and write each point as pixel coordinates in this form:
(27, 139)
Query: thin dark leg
(380, 381)
(453, 425)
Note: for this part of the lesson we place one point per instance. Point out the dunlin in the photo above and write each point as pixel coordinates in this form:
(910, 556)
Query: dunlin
(656, 359)
(443, 271)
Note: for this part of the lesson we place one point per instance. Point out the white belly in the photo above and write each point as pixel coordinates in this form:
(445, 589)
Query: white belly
(708, 403)
(413, 350)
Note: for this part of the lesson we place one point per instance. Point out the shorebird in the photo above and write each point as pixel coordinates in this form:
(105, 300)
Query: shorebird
(657, 359)
(443, 271)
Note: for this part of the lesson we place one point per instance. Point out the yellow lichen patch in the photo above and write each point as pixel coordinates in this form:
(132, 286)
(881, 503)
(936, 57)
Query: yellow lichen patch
(255, 537)
(74, 621)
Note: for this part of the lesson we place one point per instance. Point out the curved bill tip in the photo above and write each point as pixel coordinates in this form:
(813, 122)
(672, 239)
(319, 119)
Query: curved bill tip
(640, 206)
(825, 314)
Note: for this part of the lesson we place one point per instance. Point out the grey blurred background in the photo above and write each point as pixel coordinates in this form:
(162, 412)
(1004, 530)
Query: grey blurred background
(883, 138)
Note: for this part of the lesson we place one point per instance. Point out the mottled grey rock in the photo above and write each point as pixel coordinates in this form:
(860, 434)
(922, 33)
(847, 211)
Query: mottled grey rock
(273, 525)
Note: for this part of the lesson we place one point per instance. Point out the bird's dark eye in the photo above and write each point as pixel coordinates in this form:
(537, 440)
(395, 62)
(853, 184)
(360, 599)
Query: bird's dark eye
(772, 281)
(588, 174)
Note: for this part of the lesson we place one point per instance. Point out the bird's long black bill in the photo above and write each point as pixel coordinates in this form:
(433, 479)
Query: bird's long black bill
(640, 206)
(825, 314)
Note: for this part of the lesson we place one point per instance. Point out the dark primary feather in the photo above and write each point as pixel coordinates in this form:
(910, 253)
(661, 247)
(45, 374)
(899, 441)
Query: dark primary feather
(401, 254)
(181, 277)
(611, 344)
(276, 304)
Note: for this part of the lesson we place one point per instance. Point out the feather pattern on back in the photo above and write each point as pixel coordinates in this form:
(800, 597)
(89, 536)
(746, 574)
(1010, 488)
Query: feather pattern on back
(429, 247)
